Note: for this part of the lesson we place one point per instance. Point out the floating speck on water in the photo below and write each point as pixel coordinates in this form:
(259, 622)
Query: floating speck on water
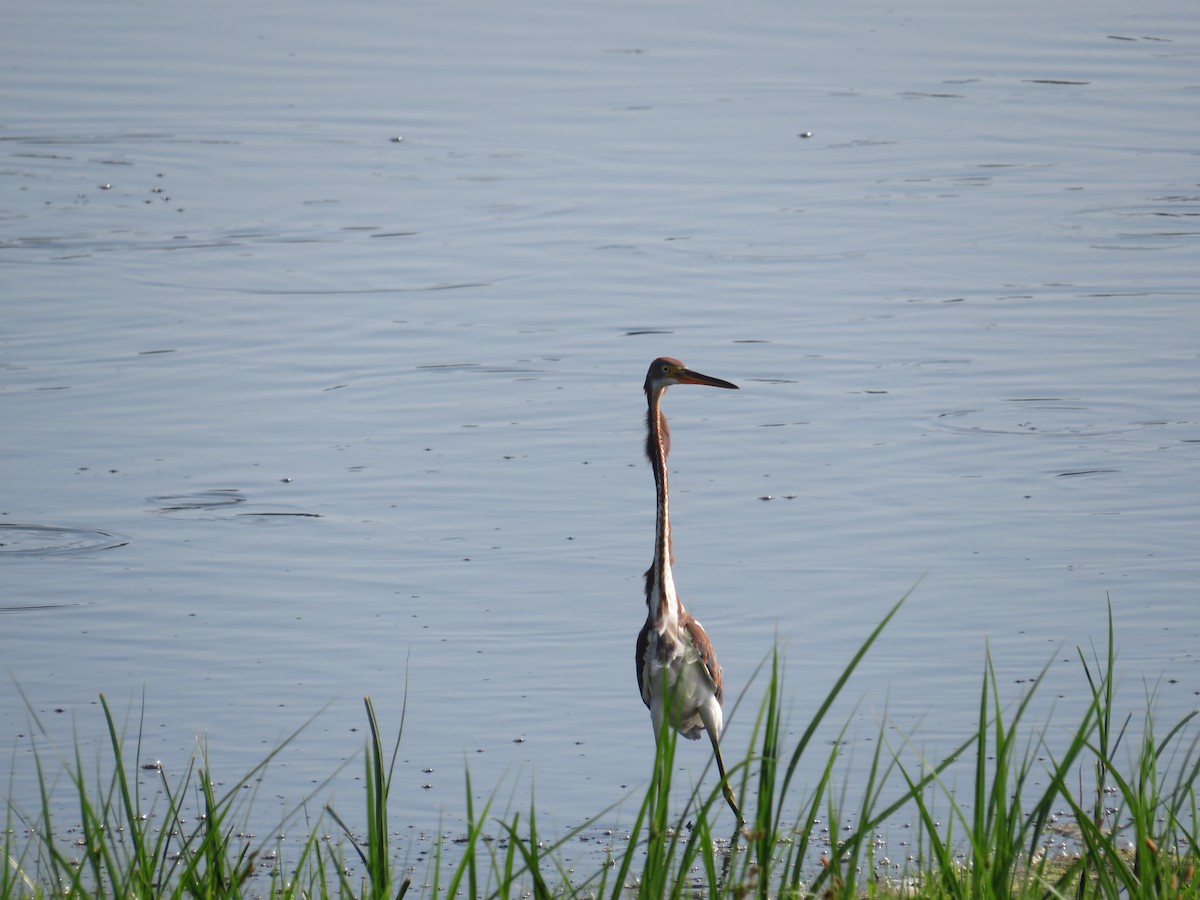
(518, 740)
(806, 134)
(766, 497)
(397, 139)
(105, 187)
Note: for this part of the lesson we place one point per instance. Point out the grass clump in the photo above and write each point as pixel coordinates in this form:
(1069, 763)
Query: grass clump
(1078, 817)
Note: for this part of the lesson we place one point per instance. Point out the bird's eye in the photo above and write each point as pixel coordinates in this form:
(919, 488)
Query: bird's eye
(666, 370)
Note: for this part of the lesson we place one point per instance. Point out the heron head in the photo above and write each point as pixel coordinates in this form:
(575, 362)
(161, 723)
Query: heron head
(666, 371)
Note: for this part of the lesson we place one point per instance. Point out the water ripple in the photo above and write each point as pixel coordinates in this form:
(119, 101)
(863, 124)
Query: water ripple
(53, 540)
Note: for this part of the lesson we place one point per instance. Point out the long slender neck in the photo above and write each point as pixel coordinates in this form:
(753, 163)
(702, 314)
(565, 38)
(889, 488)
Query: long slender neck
(661, 598)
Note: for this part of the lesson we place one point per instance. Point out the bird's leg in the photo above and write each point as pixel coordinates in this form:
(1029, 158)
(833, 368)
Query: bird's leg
(726, 789)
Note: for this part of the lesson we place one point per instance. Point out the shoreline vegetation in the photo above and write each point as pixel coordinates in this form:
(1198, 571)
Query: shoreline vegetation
(1091, 816)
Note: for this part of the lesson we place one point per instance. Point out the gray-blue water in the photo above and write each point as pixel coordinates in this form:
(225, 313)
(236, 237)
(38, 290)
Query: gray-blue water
(323, 332)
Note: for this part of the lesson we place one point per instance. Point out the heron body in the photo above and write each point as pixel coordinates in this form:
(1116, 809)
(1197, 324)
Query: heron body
(678, 673)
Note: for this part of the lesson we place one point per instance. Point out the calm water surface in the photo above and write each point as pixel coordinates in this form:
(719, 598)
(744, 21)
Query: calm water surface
(296, 412)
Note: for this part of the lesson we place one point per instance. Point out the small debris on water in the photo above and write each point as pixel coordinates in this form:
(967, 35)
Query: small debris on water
(397, 139)
(518, 740)
(155, 766)
(766, 497)
(806, 134)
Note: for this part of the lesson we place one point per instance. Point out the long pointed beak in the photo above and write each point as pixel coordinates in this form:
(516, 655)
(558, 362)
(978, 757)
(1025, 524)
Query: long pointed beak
(687, 376)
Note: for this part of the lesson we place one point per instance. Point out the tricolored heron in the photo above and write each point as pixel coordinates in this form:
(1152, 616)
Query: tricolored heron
(676, 663)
